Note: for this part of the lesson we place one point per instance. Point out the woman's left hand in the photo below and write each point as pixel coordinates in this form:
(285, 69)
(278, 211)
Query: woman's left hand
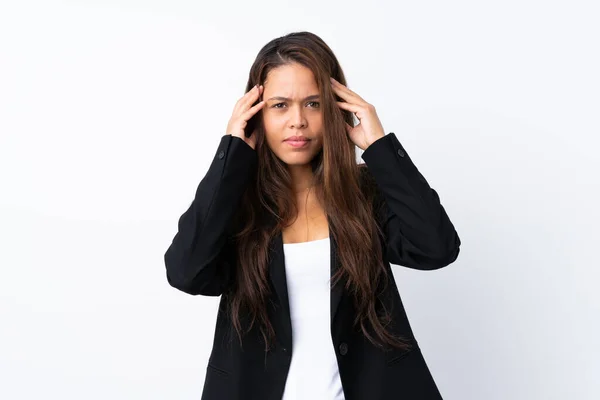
(369, 129)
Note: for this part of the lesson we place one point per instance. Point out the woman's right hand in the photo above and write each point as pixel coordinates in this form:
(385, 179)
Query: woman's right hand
(242, 112)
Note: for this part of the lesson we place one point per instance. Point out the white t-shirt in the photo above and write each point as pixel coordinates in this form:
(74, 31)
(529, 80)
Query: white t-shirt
(313, 370)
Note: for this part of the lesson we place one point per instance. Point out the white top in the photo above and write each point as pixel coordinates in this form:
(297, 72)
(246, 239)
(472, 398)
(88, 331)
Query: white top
(313, 370)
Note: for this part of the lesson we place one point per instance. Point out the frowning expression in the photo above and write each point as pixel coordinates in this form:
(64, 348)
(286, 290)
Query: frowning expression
(292, 109)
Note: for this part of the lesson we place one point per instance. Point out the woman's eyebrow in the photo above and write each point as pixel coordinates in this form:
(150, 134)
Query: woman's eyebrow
(311, 97)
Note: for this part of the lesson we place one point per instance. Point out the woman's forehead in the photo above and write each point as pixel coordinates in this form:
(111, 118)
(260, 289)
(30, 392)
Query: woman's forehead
(291, 81)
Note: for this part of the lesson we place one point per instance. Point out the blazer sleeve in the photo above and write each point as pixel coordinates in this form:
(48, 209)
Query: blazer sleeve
(418, 232)
(201, 257)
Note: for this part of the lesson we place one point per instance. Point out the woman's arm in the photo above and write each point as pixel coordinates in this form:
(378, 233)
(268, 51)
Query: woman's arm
(417, 230)
(201, 257)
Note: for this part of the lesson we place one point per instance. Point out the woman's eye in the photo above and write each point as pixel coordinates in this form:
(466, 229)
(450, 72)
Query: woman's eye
(315, 104)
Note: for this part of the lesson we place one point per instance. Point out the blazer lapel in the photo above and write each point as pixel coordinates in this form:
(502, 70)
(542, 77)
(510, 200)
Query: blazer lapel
(337, 291)
(278, 277)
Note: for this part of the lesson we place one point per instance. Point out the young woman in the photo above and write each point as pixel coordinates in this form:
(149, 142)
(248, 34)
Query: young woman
(297, 239)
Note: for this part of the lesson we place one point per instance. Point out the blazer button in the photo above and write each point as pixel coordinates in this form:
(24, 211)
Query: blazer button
(343, 349)
(221, 154)
(400, 153)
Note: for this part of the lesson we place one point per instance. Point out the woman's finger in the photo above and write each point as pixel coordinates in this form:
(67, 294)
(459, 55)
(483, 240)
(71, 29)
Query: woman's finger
(250, 98)
(253, 110)
(346, 93)
(355, 108)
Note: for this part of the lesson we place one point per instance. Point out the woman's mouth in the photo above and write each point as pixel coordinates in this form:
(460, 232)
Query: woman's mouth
(297, 143)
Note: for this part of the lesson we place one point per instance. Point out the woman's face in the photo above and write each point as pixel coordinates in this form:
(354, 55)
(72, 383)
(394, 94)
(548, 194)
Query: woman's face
(292, 108)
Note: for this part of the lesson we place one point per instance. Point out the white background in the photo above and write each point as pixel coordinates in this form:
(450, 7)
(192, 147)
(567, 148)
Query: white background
(111, 111)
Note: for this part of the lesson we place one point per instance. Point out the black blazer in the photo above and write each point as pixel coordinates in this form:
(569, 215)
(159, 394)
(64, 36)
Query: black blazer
(200, 260)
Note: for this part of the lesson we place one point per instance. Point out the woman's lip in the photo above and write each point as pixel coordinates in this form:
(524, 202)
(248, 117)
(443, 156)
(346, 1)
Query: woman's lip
(297, 143)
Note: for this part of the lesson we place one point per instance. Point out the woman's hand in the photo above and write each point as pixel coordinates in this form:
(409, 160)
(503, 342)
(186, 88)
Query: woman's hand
(242, 112)
(369, 129)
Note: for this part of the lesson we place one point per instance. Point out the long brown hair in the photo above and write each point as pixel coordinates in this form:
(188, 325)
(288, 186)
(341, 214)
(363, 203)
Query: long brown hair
(337, 177)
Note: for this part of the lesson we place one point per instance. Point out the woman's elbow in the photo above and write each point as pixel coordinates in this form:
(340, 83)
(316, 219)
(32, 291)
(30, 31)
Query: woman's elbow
(445, 255)
(194, 288)
(196, 284)
(438, 254)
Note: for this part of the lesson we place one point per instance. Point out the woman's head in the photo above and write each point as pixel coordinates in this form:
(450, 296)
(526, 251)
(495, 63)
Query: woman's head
(297, 66)
(293, 68)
